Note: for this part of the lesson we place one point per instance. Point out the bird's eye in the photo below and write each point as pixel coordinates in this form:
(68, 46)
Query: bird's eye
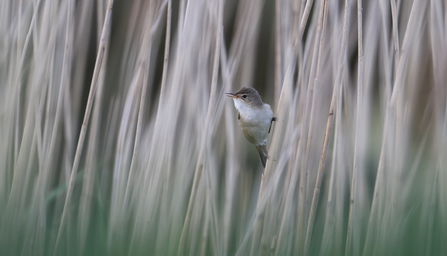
(244, 96)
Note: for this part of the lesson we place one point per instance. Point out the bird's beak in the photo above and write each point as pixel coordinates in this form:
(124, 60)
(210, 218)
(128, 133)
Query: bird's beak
(232, 95)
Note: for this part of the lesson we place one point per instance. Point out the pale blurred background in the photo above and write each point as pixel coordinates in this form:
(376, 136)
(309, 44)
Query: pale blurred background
(357, 158)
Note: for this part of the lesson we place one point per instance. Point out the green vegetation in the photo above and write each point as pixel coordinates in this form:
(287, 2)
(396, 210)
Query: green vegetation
(116, 137)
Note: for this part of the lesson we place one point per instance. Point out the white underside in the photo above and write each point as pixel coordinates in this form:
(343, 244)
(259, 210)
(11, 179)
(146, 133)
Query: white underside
(255, 122)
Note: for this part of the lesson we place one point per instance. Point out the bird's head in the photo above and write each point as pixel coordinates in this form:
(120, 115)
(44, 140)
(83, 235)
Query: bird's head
(246, 96)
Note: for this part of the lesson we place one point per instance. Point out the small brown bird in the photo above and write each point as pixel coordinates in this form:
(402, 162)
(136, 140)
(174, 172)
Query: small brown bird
(255, 118)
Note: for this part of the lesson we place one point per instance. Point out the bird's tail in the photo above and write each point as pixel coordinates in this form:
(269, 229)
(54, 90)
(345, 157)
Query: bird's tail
(262, 150)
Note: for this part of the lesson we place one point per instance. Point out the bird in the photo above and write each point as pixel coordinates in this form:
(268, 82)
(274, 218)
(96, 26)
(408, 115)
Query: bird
(255, 118)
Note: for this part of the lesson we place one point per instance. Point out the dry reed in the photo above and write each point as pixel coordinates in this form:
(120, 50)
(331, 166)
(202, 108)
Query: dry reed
(122, 143)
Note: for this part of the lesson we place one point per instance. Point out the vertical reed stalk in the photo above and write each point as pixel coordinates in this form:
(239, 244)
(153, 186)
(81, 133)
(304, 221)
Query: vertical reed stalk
(132, 148)
(91, 96)
(358, 125)
(206, 134)
(336, 91)
(308, 125)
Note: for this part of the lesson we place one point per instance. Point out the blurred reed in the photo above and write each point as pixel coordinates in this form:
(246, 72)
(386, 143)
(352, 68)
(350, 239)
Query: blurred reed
(116, 137)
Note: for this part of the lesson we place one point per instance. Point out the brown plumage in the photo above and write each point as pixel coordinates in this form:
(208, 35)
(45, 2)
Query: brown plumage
(255, 118)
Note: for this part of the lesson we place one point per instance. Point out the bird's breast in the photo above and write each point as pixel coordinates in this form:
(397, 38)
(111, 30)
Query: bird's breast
(255, 124)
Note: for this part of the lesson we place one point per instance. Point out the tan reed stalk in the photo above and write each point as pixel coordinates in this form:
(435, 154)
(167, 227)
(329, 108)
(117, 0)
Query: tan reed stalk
(400, 118)
(409, 32)
(88, 183)
(231, 151)
(390, 120)
(153, 181)
(432, 205)
(395, 32)
(206, 133)
(23, 150)
(16, 184)
(231, 175)
(212, 230)
(274, 145)
(304, 20)
(231, 168)
(143, 97)
(308, 125)
(81, 54)
(273, 155)
(371, 234)
(439, 39)
(247, 12)
(328, 232)
(289, 191)
(80, 145)
(122, 195)
(378, 193)
(356, 164)
(291, 157)
(165, 200)
(90, 168)
(37, 206)
(278, 52)
(21, 54)
(398, 154)
(284, 230)
(15, 123)
(327, 134)
(134, 185)
(165, 60)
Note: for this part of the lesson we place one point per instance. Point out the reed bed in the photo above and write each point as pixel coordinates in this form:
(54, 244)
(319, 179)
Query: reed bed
(116, 137)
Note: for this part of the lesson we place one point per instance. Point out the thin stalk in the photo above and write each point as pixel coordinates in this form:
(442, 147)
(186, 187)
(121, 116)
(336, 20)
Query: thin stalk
(165, 201)
(88, 109)
(21, 54)
(328, 231)
(90, 166)
(278, 69)
(376, 205)
(143, 96)
(24, 144)
(249, 13)
(371, 233)
(304, 20)
(329, 124)
(357, 125)
(278, 51)
(44, 175)
(438, 39)
(205, 136)
(230, 174)
(145, 50)
(18, 84)
(292, 175)
(166, 58)
(398, 85)
(400, 131)
(431, 212)
(280, 250)
(310, 112)
(271, 163)
(395, 31)
(389, 122)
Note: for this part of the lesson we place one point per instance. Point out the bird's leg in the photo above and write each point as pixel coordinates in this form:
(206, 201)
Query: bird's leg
(271, 122)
